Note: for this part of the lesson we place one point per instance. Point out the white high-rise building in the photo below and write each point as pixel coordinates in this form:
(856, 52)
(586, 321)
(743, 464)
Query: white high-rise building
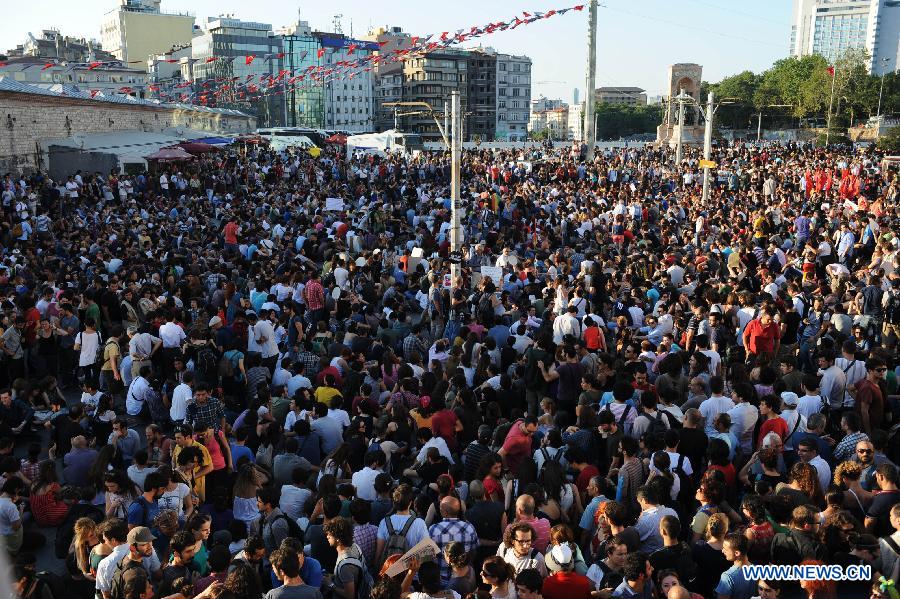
(830, 27)
(138, 29)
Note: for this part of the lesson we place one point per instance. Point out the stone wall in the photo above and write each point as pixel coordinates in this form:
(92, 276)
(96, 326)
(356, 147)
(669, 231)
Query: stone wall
(28, 119)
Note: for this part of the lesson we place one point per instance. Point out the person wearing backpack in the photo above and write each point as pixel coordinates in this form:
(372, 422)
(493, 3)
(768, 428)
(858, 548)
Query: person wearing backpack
(274, 526)
(144, 508)
(351, 578)
(518, 549)
(536, 385)
(650, 421)
(183, 546)
(401, 530)
(135, 552)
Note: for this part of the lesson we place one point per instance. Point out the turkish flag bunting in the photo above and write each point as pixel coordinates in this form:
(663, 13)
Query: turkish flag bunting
(211, 59)
(249, 59)
(47, 65)
(321, 52)
(579, 7)
(94, 65)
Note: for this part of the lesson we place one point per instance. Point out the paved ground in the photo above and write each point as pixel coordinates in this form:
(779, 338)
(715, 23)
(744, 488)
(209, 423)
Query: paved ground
(46, 557)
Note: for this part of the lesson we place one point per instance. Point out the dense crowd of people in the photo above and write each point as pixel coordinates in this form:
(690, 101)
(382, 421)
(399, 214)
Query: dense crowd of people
(213, 387)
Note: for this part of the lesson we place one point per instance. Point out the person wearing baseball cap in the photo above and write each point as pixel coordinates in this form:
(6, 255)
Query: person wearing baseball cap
(137, 563)
(564, 583)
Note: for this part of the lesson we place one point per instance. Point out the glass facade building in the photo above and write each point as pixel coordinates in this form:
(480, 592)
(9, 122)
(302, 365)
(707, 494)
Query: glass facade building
(231, 41)
(305, 99)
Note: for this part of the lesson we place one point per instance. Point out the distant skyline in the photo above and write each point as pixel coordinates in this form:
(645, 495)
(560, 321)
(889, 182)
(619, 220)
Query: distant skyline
(636, 41)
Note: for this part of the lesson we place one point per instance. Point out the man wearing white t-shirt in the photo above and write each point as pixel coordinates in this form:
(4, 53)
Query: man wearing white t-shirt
(181, 397)
(715, 404)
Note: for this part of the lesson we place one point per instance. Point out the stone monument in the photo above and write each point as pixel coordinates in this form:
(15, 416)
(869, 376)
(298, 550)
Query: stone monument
(684, 77)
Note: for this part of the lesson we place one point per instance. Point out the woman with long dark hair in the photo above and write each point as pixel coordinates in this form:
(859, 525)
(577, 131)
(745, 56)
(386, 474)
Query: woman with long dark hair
(489, 471)
(120, 492)
(46, 506)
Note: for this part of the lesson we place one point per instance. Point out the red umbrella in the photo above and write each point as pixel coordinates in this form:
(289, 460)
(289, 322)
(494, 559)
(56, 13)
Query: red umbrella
(169, 155)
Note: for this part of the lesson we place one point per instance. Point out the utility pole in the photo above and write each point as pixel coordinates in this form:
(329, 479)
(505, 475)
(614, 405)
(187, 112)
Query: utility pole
(284, 93)
(830, 105)
(590, 133)
(707, 143)
(884, 62)
(680, 128)
(455, 151)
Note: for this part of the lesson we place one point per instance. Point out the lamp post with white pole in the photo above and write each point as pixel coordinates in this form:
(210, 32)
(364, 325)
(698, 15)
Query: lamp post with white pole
(884, 61)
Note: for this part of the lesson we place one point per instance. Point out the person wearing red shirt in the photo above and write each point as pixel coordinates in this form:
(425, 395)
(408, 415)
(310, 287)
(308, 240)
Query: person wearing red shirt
(579, 463)
(444, 422)
(489, 472)
(314, 297)
(762, 335)
(517, 445)
(769, 410)
(565, 583)
(869, 397)
(593, 336)
(231, 233)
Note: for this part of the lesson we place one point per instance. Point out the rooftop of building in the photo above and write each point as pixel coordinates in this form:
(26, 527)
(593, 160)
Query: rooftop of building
(58, 90)
(623, 89)
(22, 63)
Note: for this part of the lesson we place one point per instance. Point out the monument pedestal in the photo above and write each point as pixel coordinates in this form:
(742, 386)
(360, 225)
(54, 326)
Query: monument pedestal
(691, 135)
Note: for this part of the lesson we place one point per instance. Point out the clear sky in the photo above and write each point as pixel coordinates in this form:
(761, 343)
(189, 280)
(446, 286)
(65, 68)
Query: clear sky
(636, 39)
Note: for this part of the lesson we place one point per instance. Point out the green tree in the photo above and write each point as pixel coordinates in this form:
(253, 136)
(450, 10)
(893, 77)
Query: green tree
(890, 141)
(805, 83)
(621, 120)
(738, 91)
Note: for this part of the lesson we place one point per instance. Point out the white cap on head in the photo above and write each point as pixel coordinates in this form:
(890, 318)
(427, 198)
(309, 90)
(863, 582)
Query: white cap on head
(789, 398)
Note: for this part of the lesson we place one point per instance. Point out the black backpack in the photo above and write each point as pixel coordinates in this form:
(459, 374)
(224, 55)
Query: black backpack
(207, 363)
(657, 428)
(685, 502)
(548, 458)
(485, 308)
(500, 434)
(117, 586)
(55, 583)
(622, 418)
(533, 375)
(294, 530)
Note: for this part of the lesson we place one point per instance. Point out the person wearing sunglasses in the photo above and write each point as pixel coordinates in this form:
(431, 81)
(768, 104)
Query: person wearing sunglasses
(865, 456)
(870, 395)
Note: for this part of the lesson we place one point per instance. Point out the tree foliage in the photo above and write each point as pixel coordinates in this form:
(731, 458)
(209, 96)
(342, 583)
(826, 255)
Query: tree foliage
(890, 141)
(615, 121)
(804, 84)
